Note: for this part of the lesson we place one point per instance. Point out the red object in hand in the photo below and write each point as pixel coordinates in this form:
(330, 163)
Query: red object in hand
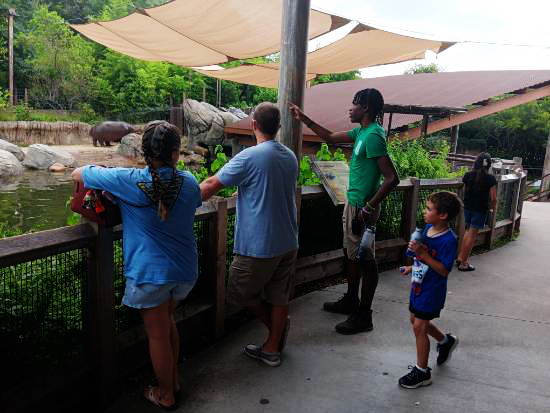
(105, 212)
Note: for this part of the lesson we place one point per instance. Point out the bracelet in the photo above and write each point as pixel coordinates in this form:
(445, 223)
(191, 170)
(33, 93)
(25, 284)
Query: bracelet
(369, 207)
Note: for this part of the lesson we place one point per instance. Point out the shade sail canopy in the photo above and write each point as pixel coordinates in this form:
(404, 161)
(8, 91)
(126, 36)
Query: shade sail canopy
(365, 46)
(202, 32)
(328, 103)
(258, 75)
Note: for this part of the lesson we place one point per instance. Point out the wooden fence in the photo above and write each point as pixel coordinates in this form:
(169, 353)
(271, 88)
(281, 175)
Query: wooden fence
(64, 334)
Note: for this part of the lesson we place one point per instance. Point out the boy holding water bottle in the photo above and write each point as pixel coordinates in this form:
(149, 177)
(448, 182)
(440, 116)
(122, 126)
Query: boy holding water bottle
(433, 260)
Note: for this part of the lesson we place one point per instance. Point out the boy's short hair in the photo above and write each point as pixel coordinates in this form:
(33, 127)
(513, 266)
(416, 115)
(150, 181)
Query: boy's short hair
(268, 117)
(446, 202)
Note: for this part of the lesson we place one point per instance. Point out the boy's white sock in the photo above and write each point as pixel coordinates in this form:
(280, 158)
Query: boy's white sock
(444, 341)
(421, 369)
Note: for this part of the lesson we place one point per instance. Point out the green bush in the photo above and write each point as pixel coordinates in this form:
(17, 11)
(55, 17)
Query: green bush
(22, 113)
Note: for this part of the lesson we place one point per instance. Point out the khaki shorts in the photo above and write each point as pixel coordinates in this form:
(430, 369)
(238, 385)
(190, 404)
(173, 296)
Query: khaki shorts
(252, 279)
(352, 241)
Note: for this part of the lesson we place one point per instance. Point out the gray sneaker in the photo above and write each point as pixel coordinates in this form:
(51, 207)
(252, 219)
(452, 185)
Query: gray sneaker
(256, 352)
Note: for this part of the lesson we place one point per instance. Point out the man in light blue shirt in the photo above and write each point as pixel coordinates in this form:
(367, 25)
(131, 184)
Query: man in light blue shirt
(266, 230)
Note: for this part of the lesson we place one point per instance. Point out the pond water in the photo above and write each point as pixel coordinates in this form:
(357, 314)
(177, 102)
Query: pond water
(36, 201)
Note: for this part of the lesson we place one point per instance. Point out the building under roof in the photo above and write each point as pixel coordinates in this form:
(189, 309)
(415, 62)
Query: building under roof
(475, 92)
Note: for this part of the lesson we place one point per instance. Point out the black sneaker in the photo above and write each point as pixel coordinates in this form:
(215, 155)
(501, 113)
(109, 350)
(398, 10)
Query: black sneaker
(444, 351)
(359, 321)
(416, 378)
(345, 305)
(256, 352)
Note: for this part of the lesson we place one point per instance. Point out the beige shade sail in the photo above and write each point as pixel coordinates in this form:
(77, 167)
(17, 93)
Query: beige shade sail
(258, 75)
(202, 32)
(364, 46)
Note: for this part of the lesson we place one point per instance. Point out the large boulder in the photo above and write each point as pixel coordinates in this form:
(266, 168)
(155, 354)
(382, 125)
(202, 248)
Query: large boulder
(238, 112)
(14, 149)
(9, 165)
(205, 123)
(130, 146)
(41, 156)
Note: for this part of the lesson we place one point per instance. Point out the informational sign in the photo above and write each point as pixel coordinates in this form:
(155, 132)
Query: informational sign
(334, 177)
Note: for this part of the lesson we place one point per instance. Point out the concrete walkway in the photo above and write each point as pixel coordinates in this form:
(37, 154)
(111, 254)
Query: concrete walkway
(501, 312)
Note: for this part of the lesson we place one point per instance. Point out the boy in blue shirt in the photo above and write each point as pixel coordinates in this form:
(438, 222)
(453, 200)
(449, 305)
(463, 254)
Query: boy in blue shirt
(433, 261)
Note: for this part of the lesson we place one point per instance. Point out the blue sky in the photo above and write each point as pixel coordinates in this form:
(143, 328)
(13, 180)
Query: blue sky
(496, 21)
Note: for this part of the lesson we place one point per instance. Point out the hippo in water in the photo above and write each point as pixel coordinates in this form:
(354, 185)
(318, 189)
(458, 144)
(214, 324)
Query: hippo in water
(107, 132)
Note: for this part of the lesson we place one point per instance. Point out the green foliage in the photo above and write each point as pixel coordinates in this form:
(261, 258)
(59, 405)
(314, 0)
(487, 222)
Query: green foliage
(520, 131)
(203, 173)
(420, 68)
(6, 231)
(307, 176)
(61, 62)
(22, 113)
(4, 98)
(411, 158)
(336, 77)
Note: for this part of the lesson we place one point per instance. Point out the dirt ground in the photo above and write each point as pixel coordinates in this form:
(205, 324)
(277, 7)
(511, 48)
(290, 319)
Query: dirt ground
(103, 155)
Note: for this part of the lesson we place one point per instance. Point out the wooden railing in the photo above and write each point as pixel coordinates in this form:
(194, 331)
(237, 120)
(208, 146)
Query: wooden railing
(105, 355)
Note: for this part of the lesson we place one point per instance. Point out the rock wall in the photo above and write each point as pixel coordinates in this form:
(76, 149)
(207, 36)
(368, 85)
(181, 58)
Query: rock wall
(47, 133)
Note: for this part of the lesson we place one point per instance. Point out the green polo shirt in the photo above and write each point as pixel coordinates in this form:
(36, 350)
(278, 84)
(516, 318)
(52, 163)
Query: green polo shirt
(364, 173)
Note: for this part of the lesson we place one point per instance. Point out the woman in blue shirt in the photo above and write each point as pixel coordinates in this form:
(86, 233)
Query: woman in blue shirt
(157, 205)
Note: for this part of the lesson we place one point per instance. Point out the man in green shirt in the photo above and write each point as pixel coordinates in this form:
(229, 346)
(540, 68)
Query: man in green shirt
(369, 162)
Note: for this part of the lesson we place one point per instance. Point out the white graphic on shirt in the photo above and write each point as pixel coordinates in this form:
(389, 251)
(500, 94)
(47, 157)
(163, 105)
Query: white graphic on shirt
(358, 148)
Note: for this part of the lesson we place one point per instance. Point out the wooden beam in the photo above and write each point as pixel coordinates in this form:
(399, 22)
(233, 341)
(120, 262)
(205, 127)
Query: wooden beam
(292, 77)
(454, 138)
(389, 124)
(476, 113)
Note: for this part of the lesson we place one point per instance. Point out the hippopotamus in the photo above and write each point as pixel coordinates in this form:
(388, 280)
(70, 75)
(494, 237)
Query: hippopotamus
(107, 132)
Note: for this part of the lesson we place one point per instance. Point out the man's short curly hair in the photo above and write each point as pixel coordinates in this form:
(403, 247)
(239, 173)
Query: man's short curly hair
(446, 202)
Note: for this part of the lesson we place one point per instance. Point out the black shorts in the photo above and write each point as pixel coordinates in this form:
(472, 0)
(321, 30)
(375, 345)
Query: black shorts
(422, 315)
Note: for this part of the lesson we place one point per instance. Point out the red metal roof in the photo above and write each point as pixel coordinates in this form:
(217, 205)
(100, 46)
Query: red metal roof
(328, 103)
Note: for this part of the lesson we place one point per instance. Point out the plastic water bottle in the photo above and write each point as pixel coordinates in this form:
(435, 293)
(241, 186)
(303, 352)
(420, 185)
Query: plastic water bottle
(416, 236)
(366, 247)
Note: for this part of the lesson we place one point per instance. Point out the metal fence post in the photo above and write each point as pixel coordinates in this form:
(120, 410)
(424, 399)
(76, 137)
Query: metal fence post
(218, 240)
(101, 312)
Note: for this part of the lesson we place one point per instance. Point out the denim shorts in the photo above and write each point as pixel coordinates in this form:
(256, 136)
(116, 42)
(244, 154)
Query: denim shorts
(474, 219)
(152, 295)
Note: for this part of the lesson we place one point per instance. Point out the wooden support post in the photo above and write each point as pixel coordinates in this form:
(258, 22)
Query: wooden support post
(100, 306)
(460, 218)
(492, 233)
(389, 124)
(218, 93)
(26, 96)
(514, 208)
(176, 117)
(545, 183)
(523, 190)
(292, 77)
(218, 239)
(424, 126)
(11, 15)
(409, 211)
(454, 138)
(298, 209)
